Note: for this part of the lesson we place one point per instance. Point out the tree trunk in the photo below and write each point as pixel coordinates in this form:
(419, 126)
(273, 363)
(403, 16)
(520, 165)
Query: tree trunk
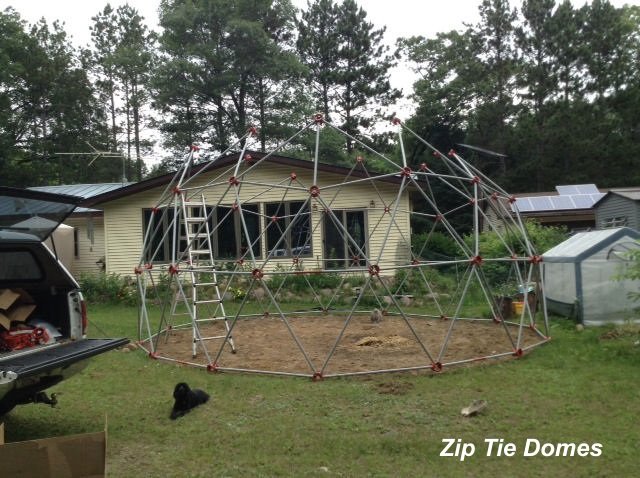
(220, 130)
(128, 115)
(263, 139)
(136, 129)
(325, 102)
(347, 108)
(112, 107)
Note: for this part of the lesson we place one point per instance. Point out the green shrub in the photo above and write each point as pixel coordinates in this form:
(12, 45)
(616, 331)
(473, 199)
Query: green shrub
(435, 246)
(301, 282)
(412, 281)
(632, 271)
(541, 237)
(298, 281)
(491, 246)
(108, 288)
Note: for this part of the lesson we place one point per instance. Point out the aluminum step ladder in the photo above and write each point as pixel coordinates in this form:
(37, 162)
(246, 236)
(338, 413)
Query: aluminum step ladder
(203, 278)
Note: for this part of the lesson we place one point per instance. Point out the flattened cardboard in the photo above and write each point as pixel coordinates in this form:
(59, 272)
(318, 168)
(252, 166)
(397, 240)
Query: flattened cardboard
(15, 305)
(20, 313)
(25, 297)
(4, 321)
(17, 313)
(73, 456)
(7, 298)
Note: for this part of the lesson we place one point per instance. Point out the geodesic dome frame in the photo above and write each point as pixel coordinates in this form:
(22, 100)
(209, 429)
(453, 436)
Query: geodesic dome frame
(288, 226)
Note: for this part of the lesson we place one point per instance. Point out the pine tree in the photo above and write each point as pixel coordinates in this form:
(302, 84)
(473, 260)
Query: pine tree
(349, 65)
(225, 64)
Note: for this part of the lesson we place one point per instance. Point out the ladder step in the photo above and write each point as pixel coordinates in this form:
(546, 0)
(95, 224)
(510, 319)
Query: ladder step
(196, 219)
(194, 237)
(214, 337)
(200, 251)
(211, 301)
(203, 284)
(200, 233)
(192, 203)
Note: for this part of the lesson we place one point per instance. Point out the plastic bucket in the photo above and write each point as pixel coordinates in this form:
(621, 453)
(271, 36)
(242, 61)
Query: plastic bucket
(518, 307)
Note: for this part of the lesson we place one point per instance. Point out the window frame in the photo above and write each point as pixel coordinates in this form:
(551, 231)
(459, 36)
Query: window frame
(238, 231)
(341, 215)
(165, 250)
(164, 253)
(616, 221)
(76, 243)
(287, 217)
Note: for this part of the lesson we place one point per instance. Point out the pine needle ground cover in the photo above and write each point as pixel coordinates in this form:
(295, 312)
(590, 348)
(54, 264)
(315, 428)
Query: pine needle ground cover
(582, 387)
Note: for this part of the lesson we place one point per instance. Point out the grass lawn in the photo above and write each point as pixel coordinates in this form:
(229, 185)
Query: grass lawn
(582, 387)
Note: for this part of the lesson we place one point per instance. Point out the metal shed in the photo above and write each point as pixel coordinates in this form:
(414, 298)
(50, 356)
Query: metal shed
(581, 274)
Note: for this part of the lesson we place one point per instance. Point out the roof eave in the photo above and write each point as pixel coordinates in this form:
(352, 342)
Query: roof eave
(226, 161)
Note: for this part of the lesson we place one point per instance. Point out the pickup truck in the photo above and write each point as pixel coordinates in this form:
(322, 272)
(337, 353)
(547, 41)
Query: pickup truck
(43, 325)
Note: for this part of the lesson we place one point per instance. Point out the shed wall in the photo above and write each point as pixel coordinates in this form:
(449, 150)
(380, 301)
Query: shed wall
(560, 286)
(604, 298)
(614, 206)
(590, 279)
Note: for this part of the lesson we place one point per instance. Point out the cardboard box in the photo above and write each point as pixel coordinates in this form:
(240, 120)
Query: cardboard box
(7, 298)
(15, 305)
(74, 456)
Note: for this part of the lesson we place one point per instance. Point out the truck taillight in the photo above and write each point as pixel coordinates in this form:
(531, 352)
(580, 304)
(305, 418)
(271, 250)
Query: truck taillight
(83, 311)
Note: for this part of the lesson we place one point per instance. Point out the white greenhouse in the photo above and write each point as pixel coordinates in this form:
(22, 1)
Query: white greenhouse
(582, 277)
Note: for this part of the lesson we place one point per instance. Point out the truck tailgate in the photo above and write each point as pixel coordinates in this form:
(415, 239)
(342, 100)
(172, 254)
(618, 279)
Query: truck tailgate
(60, 356)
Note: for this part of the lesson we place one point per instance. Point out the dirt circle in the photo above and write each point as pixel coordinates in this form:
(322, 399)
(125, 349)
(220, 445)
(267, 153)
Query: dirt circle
(335, 345)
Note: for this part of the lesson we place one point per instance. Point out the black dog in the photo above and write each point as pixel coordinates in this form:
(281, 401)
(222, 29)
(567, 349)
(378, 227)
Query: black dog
(186, 399)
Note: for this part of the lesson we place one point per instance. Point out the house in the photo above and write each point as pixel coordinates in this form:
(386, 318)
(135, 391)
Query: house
(569, 206)
(582, 276)
(618, 208)
(268, 208)
(88, 226)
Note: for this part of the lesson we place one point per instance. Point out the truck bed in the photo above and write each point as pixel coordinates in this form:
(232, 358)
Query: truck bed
(58, 355)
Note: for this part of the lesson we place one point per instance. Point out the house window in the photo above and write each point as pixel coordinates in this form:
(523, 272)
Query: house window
(618, 221)
(287, 229)
(229, 239)
(159, 243)
(76, 243)
(345, 239)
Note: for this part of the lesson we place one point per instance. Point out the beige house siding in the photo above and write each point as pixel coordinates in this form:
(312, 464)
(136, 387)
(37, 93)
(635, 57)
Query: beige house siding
(89, 232)
(123, 218)
(123, 231)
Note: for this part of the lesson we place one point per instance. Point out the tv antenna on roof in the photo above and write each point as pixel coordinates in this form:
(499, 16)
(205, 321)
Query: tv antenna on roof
(100, 154)
(482, 150)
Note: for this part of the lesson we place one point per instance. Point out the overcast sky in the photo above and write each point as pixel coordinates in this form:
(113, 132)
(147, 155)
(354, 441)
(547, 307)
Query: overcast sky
(402, 18)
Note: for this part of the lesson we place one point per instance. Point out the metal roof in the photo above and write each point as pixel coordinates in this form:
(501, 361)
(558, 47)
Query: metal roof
(628, 193)
(633, 194)
(81, 190)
